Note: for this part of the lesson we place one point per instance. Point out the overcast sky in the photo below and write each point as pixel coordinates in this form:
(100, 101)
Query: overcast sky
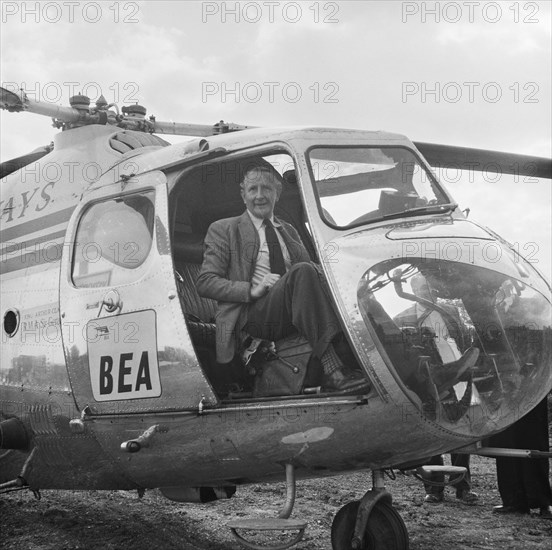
(476, 74)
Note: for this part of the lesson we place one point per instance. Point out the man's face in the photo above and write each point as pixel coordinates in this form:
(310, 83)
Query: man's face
(260, 194)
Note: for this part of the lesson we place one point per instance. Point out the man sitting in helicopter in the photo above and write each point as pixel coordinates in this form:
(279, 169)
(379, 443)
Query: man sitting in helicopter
(260, 273)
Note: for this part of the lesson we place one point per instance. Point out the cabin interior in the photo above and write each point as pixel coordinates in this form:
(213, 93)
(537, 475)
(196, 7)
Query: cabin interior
(202, 195)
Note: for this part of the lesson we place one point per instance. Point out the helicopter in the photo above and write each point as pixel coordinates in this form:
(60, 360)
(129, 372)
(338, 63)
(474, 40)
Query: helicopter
(109, 378)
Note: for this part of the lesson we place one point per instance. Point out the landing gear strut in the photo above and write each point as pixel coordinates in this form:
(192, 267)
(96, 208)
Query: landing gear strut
(281, 523)
(370, 523)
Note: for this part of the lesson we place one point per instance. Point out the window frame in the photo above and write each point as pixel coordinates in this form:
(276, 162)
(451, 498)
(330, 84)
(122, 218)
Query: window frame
(434, 182)
(139, 269)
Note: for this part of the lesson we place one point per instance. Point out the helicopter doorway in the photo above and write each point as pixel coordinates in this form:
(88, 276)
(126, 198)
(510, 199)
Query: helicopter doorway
(200, 196)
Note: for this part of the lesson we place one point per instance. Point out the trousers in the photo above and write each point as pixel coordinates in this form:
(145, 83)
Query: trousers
(298, 302)
(524, 482)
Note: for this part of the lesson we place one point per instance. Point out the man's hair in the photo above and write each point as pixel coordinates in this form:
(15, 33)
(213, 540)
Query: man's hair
(253, 173)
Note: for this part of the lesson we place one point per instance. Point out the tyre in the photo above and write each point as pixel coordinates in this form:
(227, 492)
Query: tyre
(385, 529)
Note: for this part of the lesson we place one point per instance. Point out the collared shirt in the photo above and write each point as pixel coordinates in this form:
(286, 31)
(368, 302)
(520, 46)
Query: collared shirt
(262, 263)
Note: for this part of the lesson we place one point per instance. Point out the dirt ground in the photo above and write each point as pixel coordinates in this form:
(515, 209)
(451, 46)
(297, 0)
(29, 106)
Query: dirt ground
(112, 520)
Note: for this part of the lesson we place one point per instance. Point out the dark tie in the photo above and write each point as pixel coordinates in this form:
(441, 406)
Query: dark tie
(276, 258)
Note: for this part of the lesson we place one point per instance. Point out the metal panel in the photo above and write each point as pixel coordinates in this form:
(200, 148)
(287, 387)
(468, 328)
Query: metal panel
(111, 355)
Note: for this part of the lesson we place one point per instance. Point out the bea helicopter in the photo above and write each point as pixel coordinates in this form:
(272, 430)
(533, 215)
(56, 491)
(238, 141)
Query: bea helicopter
(108, 374)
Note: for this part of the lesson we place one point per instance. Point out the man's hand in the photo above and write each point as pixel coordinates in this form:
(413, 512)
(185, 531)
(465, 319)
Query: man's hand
(267, 282)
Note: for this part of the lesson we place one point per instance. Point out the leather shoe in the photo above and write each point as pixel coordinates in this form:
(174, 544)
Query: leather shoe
(433, 498)
(353, 382)
(468, 497)
(545, 512)
(509, 510)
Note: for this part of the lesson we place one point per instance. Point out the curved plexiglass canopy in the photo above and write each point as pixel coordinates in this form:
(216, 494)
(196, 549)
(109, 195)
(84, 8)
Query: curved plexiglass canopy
(471, 346)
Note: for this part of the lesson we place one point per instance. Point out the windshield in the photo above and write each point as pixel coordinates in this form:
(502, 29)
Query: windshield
(355, 185)
(470, 344)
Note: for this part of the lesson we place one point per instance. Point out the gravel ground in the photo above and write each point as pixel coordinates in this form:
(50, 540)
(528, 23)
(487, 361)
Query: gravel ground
(94, 520)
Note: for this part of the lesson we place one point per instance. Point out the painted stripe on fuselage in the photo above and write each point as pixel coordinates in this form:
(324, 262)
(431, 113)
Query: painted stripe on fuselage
(40, 254)
(11, 247)
(43, 222)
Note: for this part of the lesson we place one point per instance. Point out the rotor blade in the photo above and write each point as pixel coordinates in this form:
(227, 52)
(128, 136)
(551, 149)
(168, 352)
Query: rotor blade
(439, 156)
(465, 158)
(10, 100)
(17, 102)
(12, 165)
(200, 130)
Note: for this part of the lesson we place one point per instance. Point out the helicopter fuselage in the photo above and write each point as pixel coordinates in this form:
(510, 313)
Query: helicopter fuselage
(100, 367)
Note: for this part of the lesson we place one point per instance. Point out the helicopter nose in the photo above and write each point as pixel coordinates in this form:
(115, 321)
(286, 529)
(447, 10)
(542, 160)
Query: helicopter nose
(458, 350)
(453, 339)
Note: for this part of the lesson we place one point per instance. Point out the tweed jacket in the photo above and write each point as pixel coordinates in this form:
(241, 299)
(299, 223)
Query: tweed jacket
(230, 252)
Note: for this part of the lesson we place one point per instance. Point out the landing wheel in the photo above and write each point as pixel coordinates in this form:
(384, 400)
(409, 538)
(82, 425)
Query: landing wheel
(385, 530)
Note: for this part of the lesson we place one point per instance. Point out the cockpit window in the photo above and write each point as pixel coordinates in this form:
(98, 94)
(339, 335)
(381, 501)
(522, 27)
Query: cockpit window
(356, 185)
(470, 344)
(113, 240)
